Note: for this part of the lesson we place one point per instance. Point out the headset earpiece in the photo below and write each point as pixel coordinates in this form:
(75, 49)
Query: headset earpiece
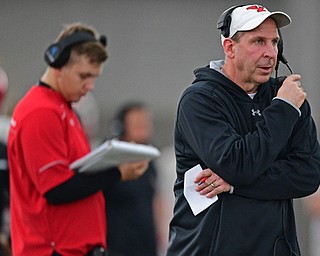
(103, 40)
(117, 125)
(117, 128)
(224, 21)
(58, 53)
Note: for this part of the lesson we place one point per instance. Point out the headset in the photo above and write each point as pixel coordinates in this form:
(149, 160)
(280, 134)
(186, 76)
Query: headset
(224, 23)
(224, 20)
(57, 54)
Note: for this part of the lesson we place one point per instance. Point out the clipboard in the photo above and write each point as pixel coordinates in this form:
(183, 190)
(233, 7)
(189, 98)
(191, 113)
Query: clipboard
(112, 153)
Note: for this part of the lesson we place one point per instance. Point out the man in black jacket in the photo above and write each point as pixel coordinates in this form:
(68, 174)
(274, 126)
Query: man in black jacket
(255, 140)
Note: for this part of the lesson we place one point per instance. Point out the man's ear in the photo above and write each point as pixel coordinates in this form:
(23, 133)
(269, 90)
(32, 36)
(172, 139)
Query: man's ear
(228, 47)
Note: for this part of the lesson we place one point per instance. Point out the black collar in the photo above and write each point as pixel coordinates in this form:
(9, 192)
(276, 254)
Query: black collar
(45, 84)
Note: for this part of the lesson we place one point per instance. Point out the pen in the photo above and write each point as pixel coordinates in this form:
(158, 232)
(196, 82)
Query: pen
(202, 180)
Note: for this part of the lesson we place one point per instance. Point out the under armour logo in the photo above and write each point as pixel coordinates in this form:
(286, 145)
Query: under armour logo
(256, 7)
(255, 112)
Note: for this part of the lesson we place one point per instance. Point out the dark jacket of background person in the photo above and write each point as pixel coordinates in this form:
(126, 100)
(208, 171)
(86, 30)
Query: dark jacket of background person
(131, 229)
(4, 168)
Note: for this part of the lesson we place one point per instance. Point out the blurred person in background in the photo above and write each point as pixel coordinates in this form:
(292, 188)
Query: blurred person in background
(4, 169)
(312, 206)
(130, 207)
(165, 165)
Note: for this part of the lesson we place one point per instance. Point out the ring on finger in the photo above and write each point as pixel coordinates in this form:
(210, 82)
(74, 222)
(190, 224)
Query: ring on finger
(212, 184)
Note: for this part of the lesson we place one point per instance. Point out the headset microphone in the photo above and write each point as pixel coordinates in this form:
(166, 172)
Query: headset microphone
(280, 56)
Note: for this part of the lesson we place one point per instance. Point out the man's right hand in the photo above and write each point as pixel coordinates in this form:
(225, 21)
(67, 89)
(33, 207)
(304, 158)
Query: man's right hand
(212, 184)
(292, 91)
(133, 170)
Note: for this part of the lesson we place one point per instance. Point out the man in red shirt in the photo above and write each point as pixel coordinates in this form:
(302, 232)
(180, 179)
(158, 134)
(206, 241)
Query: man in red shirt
(55, 210)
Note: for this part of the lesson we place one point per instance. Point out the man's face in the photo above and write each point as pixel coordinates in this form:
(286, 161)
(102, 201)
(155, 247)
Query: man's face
(77, 78)
(256, 53)
(138, 126)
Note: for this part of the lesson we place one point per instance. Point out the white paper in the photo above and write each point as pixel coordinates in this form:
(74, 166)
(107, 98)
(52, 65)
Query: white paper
(196, 201)
(113, 153)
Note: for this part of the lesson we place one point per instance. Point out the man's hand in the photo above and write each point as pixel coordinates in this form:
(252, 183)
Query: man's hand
(133, 170)
(292, 91)
(210, 184)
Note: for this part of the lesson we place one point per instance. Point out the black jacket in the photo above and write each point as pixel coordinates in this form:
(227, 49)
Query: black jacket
(130, 216)
(260, 146)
